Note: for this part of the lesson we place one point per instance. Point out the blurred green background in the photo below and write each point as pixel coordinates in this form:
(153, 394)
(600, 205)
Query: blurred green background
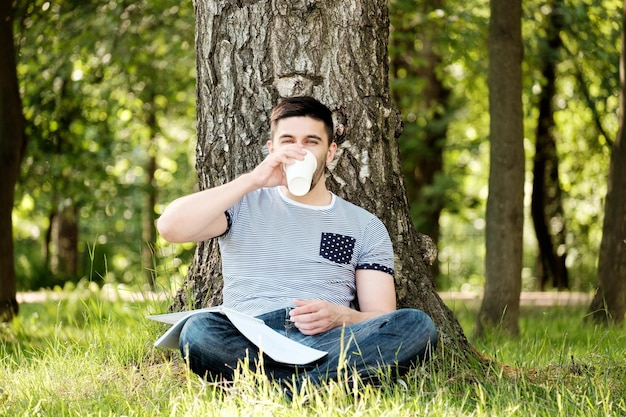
(108, 91)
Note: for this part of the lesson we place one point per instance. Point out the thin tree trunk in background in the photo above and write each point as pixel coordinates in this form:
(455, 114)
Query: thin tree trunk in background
(12, 144)
(63, 245)
(609, 303)
(148, 229)
(251, 55)
(547, 205)
(505, 203)
(148, 217)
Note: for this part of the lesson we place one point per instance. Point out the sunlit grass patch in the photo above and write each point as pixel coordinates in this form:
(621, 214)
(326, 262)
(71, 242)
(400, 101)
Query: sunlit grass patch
(83, 355)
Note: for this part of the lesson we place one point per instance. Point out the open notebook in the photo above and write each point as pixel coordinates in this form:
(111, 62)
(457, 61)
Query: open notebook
(273, 344)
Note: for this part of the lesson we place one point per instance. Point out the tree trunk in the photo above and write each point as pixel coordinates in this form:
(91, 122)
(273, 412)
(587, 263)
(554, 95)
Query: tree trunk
(12, 144)
(148, 229)
(63, 253)
(252, 53)
(547, 205)
(505, 203)
(609, 302)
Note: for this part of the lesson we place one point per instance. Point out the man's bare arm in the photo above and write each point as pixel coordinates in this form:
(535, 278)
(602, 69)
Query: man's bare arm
(376, 294)
(200, 216)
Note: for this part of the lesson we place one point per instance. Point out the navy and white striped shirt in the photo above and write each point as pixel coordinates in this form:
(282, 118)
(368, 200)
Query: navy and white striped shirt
(277, 249)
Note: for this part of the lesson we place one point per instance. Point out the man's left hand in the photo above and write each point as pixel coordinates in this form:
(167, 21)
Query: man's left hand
(317, 316)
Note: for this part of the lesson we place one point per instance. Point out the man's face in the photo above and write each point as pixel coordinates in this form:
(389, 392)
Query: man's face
(311, 135)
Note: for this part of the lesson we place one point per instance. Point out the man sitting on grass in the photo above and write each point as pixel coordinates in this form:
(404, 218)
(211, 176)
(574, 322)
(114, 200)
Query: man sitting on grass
(299, 263)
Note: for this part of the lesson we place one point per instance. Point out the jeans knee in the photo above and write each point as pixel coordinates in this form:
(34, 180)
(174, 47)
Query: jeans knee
(188, 330)
(430, 329)
(423, 326)
(202, 343)
(196, 331)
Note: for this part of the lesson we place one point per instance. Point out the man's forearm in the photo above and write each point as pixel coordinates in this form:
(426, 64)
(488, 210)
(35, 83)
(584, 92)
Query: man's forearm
(200, 216)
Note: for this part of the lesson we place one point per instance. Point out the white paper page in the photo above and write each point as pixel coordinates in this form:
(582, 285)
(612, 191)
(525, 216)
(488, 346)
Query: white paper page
(273, 344)
(172, 318)
(276, 346)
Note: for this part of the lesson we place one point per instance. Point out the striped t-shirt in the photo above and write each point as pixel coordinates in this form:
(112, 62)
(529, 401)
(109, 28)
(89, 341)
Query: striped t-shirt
(276, 249)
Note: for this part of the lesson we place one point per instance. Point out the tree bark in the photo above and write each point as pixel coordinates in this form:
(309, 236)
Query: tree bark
(63, 253)
(148, 215)
(505, 203)
(12, 144)
(250, 54)
(609, 303)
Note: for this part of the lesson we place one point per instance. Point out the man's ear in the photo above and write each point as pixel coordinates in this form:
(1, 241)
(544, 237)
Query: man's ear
(332, 150)
(270, 145)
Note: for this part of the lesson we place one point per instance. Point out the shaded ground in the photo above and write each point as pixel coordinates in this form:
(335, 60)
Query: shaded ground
(109, 293)
(534, 298)
(530, 298)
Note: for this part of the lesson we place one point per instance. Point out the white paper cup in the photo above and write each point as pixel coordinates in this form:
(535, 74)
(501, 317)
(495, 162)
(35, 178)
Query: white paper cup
(300, 174)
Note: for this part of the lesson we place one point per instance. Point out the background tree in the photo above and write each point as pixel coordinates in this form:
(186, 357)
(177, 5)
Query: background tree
(584, 108)
(251, 55)
(609, 302)
(547, 203)
(505, 204)
(12, 144)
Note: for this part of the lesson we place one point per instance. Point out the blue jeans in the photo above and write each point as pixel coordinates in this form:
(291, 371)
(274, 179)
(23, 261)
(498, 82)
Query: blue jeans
(214, 348)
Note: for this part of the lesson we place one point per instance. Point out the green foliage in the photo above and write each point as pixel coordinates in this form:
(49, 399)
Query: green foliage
(93, 75)
(586, 117)
(455, 35)
(588, 86)
(80, 354)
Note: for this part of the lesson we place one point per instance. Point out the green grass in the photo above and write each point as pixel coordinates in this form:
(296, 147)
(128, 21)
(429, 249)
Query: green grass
(85, 356)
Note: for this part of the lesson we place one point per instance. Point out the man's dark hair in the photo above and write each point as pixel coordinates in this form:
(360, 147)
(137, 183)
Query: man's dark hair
(303, 106)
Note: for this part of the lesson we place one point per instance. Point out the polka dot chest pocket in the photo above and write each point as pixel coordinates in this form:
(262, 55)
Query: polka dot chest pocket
(337, 248)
